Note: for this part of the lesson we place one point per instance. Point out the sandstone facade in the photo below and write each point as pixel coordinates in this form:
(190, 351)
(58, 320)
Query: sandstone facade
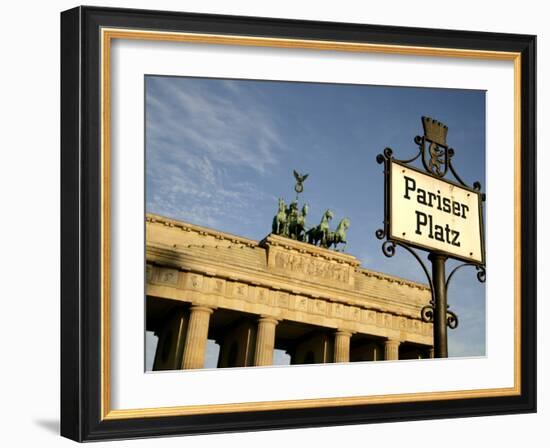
(254, 296)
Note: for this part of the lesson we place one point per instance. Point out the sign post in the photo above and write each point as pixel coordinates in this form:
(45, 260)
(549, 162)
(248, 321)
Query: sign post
(422, 210)
(440, 305)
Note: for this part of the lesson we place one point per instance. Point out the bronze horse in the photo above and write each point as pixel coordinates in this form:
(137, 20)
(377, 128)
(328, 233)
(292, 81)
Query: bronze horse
(319, 234)
(280, 220)
(338, 236)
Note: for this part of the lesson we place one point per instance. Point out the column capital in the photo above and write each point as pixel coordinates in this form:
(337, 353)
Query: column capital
(342, 332)
(392, 342)
(204, 308)
(268, 319)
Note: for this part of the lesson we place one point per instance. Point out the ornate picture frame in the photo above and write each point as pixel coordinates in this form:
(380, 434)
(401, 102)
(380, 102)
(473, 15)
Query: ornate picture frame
(87, 35)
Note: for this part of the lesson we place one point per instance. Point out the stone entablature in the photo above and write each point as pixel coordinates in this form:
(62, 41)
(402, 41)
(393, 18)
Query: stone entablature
(283, 278)
(217, 292)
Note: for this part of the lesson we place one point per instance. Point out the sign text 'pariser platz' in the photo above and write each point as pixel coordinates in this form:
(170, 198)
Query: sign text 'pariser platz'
(435, 214)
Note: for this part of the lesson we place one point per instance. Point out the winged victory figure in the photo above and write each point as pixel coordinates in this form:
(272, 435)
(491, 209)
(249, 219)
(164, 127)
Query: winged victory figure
(300, 178)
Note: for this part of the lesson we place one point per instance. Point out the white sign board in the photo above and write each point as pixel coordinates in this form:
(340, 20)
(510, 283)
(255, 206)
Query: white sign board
(434, 214)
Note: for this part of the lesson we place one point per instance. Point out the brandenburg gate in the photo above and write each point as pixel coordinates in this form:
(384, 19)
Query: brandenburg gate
(252, 297)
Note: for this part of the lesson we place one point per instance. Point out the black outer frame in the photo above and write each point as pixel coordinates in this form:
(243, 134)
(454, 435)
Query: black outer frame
(80, 224)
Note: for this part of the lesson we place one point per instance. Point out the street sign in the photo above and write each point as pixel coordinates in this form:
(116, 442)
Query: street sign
(423, 210)
(434, 214)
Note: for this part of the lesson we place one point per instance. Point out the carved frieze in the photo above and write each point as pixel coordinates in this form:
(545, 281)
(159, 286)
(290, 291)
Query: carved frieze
(167, 276)
(300, 303)
(283, 299)
(262, 296)
(304, 265)
(217, 286)
(317, 306)
(195, 281)
(240, 290)
(337, 310)
(354, 313)
(299, 260)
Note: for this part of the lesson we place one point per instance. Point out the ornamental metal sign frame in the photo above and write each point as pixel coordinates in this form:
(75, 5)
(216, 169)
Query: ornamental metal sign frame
(437, 160)
(388, 205)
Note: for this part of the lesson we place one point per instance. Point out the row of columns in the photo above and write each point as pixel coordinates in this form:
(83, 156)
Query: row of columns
(342, 340)
(197, 335)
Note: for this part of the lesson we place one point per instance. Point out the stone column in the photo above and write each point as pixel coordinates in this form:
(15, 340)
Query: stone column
(391, 349)
(197, 335)
(341, 346)
(431, 352)
(171, 341)
(265, 341)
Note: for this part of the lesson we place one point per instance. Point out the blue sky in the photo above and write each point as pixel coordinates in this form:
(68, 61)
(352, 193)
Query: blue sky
(219, 153)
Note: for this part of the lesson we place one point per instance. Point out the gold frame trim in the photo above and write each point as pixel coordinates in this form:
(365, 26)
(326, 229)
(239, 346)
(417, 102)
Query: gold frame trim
(107, 35)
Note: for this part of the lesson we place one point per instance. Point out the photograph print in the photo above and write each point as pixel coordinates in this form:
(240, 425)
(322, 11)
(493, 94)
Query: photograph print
(293, 223)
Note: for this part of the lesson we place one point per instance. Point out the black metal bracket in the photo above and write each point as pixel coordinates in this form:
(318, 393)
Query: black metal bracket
(481, 273)
(427, 311)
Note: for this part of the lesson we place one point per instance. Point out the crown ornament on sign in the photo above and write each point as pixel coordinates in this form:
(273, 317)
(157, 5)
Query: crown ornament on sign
(435, 131)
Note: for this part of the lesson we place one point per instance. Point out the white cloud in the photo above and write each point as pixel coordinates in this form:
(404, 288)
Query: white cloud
(229, 128)
(195, 137)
